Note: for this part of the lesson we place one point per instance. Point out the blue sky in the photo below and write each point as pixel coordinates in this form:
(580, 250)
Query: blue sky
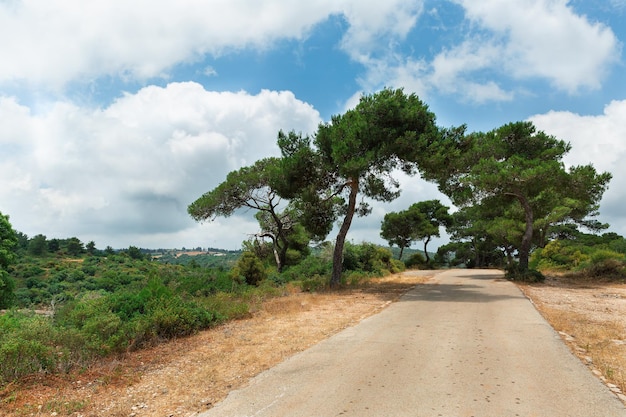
(114, 116)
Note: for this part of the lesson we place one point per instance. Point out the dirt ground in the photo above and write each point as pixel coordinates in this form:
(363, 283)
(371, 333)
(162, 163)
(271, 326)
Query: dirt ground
(590, 316)
(189, 375)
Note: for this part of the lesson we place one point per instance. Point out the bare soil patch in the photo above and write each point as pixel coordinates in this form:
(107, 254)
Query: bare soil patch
(590, 316)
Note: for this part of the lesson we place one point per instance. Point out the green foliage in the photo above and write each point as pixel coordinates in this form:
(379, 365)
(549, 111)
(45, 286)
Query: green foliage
(250, 268)
(7, 288)
(8, 241)
(135, 253)
(589, 255)
(516, 173)
(314, 283)
(397, 229)
(354, 155)
(25, 346)
(515, 273)
(74, 246)
(91, 247)
(255, 187)
(606, 263)
(369, 258)
(106, 305)
(38, 245)
(311, 267)
(416, 260)
(421, 221)
(215, 259)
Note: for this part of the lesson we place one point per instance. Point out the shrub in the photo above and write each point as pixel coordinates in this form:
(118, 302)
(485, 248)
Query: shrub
(311, 267)
(314, 283)
(605, 262)
(26, 346)
(250, 267)
(416, 260)
(514, 273)
(367, 257)
(397, 266)
(226, 306)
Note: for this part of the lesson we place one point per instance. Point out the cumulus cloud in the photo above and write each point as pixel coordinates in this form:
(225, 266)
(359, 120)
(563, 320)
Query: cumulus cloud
(598, 140)
(375, 26)
(54, 42)
(505, 41)
(546, 39)
(132, 168)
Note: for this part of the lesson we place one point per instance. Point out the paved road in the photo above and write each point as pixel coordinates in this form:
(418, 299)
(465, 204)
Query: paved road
(466, 344)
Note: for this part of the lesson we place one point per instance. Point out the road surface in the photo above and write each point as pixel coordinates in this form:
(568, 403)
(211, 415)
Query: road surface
(466, 344)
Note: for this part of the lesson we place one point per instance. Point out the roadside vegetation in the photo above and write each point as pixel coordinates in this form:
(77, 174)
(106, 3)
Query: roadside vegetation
(66, 310)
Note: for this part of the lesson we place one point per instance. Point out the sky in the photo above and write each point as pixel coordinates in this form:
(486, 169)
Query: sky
(116, 115)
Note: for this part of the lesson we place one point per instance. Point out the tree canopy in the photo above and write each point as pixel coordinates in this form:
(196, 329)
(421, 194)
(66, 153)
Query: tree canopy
(421, 221)
(355, 155)
(517, 163)
(8, 240)
(397, 229)
(510, 185)
(254, 187)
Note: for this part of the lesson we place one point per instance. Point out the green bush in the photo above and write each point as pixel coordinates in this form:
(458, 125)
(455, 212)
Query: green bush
(250, 267)
(367, 257)
(7, 287)
(416, 260)
(314, 283)
(605, 263)
(26, 346)
(514, 273)
(312, 267)
(226, 306)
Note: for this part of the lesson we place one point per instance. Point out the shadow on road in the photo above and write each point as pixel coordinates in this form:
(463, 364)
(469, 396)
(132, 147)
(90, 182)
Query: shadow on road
(466, 291)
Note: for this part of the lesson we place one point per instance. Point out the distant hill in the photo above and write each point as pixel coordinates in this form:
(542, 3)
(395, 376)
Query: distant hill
(211, 257)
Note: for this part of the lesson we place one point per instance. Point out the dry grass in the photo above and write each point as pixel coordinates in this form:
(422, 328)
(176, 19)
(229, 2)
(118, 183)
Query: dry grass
(591, 318)
(189, 375)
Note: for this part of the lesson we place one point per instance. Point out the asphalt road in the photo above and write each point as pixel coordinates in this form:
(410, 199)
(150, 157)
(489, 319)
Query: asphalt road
(468, 343)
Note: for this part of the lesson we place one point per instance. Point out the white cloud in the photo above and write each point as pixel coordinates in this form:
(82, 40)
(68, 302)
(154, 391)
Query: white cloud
(54, 42)
(523, 40)
(451, 67)
(376, 25)
(57, 41)
(547, 39)
(131, 169)
(599, 140)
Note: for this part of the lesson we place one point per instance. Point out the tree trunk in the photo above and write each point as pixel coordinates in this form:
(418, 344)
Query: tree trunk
(401, 252)
(524, 250)
(425, 251)
(282, 253)
(279, 253)
(279, 264)
(335, 278)
(477, 254)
